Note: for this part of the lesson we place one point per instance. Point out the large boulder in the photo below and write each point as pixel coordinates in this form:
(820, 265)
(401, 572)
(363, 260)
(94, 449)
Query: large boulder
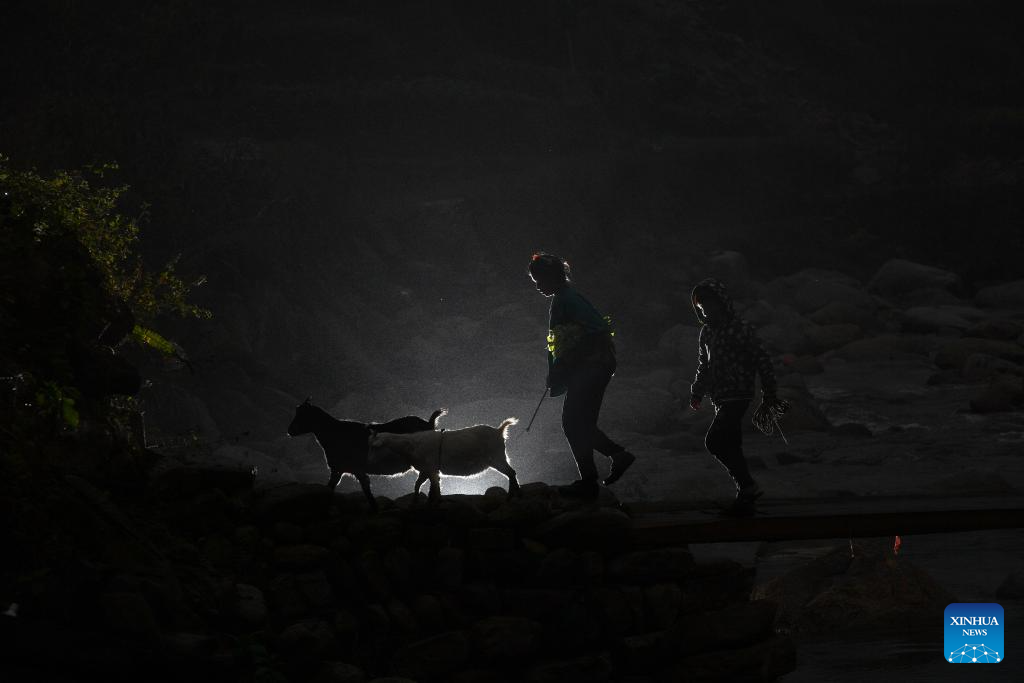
(932, 319)
(822, 338)
(954, 354)
(884, 347)
(899, 278)
(803, 413)
(865, 588)
(812, 288)
(996, 328)
(1007, 295)
(1004, 393)
(982, 366)
(837, 312)
(433, 656)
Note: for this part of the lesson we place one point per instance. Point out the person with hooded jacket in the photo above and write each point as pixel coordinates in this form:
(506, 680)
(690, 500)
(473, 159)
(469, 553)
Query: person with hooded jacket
(729, 355)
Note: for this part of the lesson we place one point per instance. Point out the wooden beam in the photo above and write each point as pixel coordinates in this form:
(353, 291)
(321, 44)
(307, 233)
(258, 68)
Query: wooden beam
(682, 529)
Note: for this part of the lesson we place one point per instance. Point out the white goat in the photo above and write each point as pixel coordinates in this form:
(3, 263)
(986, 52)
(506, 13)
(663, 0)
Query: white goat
(455, 452)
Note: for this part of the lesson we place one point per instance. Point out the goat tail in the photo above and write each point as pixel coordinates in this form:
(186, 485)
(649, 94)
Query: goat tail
(436, 414)
(503, 427)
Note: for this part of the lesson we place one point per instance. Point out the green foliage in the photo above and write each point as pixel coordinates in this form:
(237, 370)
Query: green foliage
(68, 205)
(58, 402)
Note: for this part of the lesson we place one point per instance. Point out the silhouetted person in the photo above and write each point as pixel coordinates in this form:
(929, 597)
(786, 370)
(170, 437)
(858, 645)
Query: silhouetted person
(729, 355)
(581, 361)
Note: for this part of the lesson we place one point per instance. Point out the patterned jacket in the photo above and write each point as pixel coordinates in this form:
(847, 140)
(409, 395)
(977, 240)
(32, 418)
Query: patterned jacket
(729, 354)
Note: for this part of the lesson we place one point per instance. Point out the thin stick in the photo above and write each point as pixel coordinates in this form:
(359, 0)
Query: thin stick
(780, 431)
(542, 397)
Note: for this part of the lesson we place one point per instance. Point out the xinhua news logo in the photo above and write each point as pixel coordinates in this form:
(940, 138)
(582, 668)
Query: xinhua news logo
(974, 633)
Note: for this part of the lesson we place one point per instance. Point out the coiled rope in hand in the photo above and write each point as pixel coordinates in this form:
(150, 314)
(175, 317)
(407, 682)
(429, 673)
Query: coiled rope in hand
(768, 413)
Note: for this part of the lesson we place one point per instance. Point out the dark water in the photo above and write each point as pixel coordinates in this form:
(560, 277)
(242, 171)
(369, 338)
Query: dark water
(971, 565)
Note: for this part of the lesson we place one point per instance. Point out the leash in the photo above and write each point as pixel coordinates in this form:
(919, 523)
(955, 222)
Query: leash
(542, 397)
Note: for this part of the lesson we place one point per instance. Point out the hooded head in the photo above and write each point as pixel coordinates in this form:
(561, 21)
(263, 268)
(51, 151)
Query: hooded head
(711, 302)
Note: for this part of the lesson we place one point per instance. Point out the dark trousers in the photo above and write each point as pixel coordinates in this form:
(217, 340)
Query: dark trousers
(724, 440)
(579, 417)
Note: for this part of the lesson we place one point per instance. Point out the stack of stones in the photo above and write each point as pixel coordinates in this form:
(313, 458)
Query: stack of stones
(292, 583)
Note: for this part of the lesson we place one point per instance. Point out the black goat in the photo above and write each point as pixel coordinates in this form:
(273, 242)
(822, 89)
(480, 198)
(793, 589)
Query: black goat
(346, 443)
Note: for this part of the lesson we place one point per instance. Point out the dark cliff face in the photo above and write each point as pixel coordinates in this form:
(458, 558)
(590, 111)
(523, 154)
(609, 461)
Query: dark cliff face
(356, 177)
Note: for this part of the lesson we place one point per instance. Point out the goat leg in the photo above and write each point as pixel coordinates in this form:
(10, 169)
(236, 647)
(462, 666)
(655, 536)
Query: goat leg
(364, 482)
(435, 487)
(422, 477)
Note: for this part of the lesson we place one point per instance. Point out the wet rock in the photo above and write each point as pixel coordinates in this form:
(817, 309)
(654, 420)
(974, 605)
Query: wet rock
(899, 277)
(954, 354)
(503, 638)
(1004, 393)
(995, 328)
(1007, 295)
(652, 566)
(433, 656)
(1012, 587)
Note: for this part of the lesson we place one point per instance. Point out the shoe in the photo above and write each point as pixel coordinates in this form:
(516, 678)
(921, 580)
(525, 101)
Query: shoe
(620, 463)
(584, 489)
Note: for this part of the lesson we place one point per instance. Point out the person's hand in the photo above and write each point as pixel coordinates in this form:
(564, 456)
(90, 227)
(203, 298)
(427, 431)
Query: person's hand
(695, 402)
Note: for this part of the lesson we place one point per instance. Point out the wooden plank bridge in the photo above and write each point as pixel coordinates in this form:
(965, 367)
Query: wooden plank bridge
(657, 525)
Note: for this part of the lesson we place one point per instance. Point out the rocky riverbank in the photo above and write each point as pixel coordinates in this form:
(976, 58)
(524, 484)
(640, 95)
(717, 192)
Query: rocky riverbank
(196, 572)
